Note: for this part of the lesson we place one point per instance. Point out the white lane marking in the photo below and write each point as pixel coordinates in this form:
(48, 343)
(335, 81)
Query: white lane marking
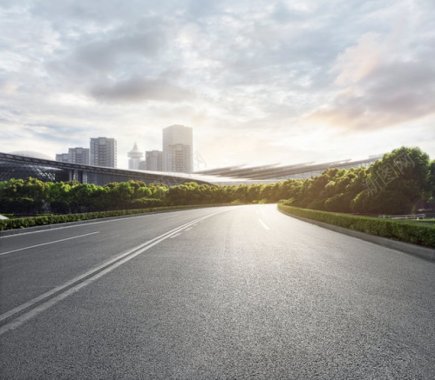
(84, 280)
(188, 229)
(75, 225)
(266, 227)
(47, 243)
(174, 236)
(127, 217)
(81, 277)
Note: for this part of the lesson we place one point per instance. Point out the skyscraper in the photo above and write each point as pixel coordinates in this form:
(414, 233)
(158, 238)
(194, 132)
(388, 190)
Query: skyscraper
(103, 152)
(134, 158)
(153, 160)
(177, 149)
(79, 155)
(63, 157)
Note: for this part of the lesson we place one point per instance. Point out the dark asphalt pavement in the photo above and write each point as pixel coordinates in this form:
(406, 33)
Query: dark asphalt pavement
(246, 292)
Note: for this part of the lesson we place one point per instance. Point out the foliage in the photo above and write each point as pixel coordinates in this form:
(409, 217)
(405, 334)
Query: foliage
(422, 234)
(399, 183)
(40, 220)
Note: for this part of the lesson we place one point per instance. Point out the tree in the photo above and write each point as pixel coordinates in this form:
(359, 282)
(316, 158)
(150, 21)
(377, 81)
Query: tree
(401, 175)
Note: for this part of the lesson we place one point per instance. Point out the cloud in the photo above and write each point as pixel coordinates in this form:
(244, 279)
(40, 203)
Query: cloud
(139, 89)
(381, 82)
(112, 53)
(228, 68)
(358, 61)
(394, 94)
(55, 133)
(104, 53)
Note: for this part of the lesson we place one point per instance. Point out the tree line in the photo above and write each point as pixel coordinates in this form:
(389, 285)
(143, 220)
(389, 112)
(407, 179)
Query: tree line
(400, 182)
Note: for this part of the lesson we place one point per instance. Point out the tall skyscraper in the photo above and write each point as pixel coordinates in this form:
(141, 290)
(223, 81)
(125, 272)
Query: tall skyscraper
(63, 157)
(177, 149)
(103, 152)
(79, 155)
(134, 158)
(153, 160)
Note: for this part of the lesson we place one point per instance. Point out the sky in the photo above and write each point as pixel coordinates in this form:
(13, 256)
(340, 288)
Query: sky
(259, 82)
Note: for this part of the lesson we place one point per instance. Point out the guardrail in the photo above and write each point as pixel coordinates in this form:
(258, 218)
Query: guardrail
(409, 216)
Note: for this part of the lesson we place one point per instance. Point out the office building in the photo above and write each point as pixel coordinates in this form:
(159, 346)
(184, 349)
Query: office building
(153, 160)
(62, 157)
(177, 149)
(103, 152)
(134, 158)
(79, 155)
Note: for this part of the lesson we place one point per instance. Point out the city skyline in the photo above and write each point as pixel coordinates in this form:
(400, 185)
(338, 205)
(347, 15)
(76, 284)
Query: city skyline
(175, 153)
(271, 82)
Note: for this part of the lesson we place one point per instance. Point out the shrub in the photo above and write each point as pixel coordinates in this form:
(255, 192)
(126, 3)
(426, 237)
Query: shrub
(422, 234)
(53, 219)
(146, 202)
(40, 220)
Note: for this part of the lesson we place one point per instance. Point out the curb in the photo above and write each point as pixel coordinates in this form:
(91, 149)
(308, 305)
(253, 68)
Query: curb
(17, 231)
(412, 249)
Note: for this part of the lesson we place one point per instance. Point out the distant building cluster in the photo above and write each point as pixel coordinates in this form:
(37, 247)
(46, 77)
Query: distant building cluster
(102, 152)
(176, 154)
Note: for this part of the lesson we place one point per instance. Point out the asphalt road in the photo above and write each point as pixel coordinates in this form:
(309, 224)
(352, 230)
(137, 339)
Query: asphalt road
(231, 292)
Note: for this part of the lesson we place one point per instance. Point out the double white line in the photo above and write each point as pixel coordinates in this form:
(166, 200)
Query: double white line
(28, 310)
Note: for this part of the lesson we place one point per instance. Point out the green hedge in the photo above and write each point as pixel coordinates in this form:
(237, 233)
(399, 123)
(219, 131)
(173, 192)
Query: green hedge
(54, 219)
(408, 232)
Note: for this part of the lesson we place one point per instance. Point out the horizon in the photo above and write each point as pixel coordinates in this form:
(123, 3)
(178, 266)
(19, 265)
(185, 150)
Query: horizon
(259, 82)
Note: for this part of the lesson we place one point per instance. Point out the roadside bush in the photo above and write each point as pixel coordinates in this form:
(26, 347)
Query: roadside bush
(53, 219)
(40, 220)
(421, 234)
(146, 202)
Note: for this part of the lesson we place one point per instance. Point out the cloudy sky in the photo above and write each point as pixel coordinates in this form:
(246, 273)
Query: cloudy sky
(259, 81)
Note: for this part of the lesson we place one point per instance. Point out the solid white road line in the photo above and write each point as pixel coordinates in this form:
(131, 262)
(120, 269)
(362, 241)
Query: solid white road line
(77, 225)
(129, 217)
(266, 227)
(61, 292)
(79, 278)
(174, 236)
(47, 243)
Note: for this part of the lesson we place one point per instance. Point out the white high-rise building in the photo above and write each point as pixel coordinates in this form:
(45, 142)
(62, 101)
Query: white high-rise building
(63, 157)
(135, 157)
(103, 152)
(153, 160)
(178, 149)
(79, 155)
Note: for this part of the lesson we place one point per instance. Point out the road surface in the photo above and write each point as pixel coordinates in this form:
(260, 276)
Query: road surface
(230, 292)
